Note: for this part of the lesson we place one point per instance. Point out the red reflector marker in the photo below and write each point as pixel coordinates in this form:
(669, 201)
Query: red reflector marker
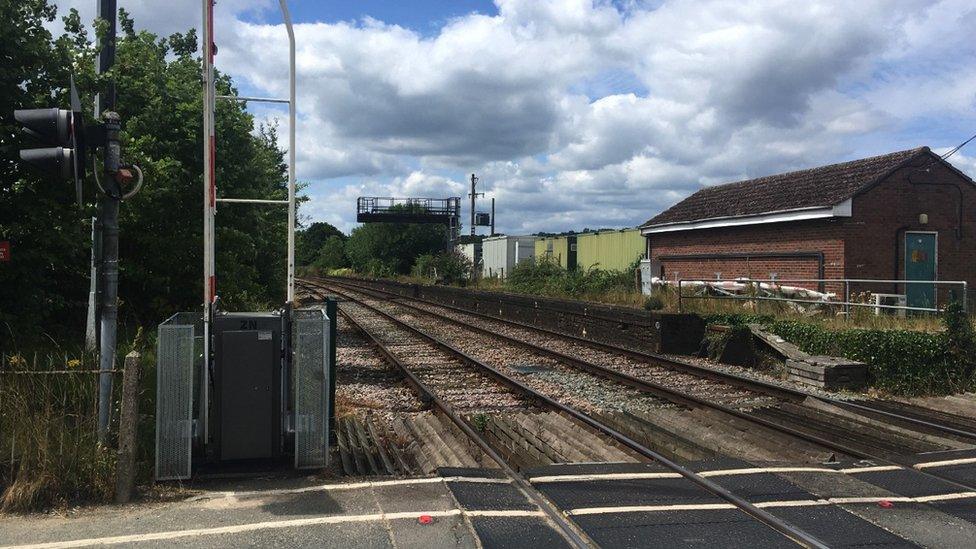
(425, 519)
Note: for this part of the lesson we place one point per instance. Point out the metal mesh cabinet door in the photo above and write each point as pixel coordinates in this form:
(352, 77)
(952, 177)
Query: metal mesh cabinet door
(174, 400)
(311, 389)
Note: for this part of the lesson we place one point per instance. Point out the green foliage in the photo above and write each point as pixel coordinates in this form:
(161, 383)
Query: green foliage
(445, 267)
(899, 361)
(309, 242)
(960, 338)
(388, 249)
(549, 278)
(653, 303)
(44, 288)
(735, 319)
(332, 254)
(54, 458)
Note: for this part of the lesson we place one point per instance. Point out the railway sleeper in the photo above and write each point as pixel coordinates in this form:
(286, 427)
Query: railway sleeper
(823, 427)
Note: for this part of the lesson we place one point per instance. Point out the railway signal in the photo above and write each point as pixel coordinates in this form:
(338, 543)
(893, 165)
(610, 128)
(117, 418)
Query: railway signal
(63, 133)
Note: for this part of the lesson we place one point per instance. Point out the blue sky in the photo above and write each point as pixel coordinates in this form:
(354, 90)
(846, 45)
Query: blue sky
(580, 113)
(424, 16)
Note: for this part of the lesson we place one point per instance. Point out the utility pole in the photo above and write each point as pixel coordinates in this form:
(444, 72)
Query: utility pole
(474, 183)
(493, 216)
(108, 214)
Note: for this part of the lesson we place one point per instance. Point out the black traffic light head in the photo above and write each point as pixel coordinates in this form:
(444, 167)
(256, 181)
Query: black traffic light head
(63, 132)
(50, 126)
(58, 160)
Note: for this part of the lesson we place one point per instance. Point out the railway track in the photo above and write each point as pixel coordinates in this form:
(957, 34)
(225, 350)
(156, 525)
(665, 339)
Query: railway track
(896, 412)
(797, 414)
(389, 335)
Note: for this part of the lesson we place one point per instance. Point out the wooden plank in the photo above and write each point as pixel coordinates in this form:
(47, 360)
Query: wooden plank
(378, 442)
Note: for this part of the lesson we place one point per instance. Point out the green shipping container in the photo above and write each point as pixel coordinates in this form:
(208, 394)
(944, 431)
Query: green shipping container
(552, 248)
(610, 250)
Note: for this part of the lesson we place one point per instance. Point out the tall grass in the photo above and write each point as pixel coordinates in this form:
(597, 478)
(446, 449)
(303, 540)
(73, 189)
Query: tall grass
(49, 451)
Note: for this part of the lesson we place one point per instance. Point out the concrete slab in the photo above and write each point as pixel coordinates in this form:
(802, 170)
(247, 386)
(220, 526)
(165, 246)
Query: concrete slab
(455, 531)
(481, 496)
(722, 528)
(344, 515)
(496, 532)
(921, 524)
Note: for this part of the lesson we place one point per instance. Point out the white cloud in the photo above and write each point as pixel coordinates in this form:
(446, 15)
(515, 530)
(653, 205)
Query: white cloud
(577, 113)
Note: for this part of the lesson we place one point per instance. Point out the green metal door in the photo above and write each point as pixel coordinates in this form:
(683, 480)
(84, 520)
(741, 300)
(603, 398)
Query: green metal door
(920, 258)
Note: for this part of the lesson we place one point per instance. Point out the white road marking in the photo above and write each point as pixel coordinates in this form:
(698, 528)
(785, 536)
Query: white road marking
(503, 513)
(715, 473)
(649, 508)
(945, 497)
(760, 470)
(945, 463)
(766, 504)
(872, 469)
(339, 486)
(601, 476)
(270, 525)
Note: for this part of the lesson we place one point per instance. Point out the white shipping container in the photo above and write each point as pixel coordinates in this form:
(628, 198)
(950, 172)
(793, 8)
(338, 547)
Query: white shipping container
(467, 250)
(500, 254)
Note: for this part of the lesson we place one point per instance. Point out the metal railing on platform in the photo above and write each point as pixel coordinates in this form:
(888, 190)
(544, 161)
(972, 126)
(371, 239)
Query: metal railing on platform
(836, 292)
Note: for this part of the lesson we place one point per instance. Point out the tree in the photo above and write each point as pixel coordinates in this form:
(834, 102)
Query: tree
(383, 249)
(332, 255)
(159, 100)
(44, 282)
(309, 242)
(448, 267)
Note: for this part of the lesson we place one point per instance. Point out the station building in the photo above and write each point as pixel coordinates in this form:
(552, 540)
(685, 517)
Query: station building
(907, 215)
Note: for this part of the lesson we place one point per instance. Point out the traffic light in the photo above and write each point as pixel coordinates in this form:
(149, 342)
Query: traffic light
(63, 131)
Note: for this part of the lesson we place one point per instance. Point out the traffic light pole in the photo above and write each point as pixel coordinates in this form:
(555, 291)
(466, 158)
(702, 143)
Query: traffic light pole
(109, 308)
(108, 212)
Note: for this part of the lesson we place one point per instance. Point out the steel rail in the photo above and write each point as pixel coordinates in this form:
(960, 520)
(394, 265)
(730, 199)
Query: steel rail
(567, 529)
(673, 395)
(653, 388)
(794, 533)
(766, 387)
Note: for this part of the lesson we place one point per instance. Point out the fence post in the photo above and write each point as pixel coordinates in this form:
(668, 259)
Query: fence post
(680, 308)
(128, 424)
(847, 300)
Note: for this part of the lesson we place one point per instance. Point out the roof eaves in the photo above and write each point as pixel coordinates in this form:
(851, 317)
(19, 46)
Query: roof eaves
(745, 216)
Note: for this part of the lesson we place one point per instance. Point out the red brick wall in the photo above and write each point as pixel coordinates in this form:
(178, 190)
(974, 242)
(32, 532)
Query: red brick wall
(861, 246)
(876, 232)
(803, 236)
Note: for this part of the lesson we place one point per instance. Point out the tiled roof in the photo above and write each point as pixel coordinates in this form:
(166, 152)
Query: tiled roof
(816, 187)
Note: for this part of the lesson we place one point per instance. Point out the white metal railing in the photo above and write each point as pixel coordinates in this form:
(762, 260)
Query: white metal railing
(752, 289)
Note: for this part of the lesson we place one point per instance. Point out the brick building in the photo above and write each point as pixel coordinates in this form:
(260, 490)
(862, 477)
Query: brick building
(904, 215)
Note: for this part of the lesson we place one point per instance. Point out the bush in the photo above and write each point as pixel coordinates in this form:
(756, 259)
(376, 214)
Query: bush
(653, 303)
(735, 319)
(961, 339)
(445, 267)
(549, 278)
(900, 361)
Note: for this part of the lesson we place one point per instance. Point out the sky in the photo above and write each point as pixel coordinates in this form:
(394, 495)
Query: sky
(589, 114)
